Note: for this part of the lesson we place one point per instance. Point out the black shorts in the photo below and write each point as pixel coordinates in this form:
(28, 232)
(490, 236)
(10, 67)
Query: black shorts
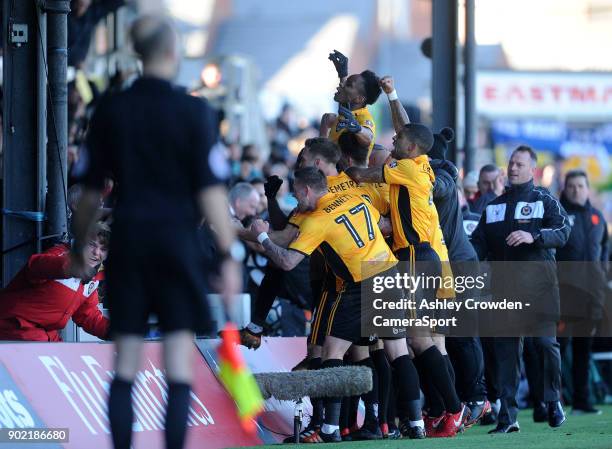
(421, 260)
(347, 314)
(324, 299)
(344, 318)
(161, 272)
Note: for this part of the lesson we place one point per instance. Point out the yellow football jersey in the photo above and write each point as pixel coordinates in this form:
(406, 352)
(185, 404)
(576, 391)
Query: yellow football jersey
(345, 228)
(383, 190)
(364, 118)
(342, 184)
(413, 212)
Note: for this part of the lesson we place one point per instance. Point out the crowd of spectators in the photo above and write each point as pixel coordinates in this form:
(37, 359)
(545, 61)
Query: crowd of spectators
(250, 167)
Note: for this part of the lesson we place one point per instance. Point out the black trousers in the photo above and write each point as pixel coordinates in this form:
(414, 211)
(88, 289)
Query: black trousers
(577, 307)
(581, 356)
(506, 354)
(271, 287)
(466, 354)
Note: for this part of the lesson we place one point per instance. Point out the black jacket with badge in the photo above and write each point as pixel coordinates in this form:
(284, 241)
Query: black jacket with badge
(532, 209)
(522, 207)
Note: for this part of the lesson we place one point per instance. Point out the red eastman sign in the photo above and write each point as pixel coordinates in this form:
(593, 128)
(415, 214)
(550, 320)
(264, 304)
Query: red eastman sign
(528, 94)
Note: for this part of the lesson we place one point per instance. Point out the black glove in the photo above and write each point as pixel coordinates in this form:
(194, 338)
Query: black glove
(340, 63)
(272, 185)
(349, 122)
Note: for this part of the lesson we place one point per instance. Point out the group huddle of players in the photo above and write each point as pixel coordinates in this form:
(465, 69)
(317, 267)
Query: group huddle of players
(365, 211)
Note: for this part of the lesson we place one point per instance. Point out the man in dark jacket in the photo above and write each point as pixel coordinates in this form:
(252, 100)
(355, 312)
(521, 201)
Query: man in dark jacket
(525, 224)
(464, 351)
(582, 272)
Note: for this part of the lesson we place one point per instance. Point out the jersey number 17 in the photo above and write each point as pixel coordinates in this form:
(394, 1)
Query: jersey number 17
(344, 219)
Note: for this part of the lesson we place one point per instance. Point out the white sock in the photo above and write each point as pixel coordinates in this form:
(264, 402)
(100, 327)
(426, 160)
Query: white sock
(254, 328)
(328, 428)
(418, 423)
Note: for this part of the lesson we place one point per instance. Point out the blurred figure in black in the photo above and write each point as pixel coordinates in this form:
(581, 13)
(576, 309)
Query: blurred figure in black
(582, 283)
(158, 143)
(82, 20)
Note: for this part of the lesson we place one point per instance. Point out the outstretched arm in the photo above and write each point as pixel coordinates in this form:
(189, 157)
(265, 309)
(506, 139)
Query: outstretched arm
(370, 175)
(285, 259)
(399, 116)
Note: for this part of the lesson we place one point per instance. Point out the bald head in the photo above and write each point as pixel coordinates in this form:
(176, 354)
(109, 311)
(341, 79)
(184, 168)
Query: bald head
(154, 40)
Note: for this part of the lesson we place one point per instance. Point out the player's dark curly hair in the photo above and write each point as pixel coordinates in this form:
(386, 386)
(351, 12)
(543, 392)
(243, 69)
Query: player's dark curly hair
(371, 86)
(350, 146)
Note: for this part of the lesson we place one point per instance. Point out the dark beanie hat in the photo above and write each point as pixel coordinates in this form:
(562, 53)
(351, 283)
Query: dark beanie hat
(441, 140)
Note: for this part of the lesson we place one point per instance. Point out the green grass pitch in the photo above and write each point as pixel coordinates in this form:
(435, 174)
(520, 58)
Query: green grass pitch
(578, 432)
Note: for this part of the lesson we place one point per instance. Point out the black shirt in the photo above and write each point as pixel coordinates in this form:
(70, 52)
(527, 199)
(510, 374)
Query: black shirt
(81, 28)
(158, 144)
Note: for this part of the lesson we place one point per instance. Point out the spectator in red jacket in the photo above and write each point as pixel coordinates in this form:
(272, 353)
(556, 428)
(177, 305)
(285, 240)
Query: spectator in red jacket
(38, 302)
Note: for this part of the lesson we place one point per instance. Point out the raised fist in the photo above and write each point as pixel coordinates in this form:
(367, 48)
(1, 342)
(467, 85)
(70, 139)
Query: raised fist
(387, 85)
(328, 120)
(271, 186)
(340, 63)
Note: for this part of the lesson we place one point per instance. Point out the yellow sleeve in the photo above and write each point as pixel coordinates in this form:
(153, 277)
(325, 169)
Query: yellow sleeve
(380, 203)
(296, 219)
(309, 238)
(400, 172)
(365, 120)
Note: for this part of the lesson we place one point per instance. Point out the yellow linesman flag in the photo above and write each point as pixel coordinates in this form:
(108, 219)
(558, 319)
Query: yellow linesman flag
(238, 379)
